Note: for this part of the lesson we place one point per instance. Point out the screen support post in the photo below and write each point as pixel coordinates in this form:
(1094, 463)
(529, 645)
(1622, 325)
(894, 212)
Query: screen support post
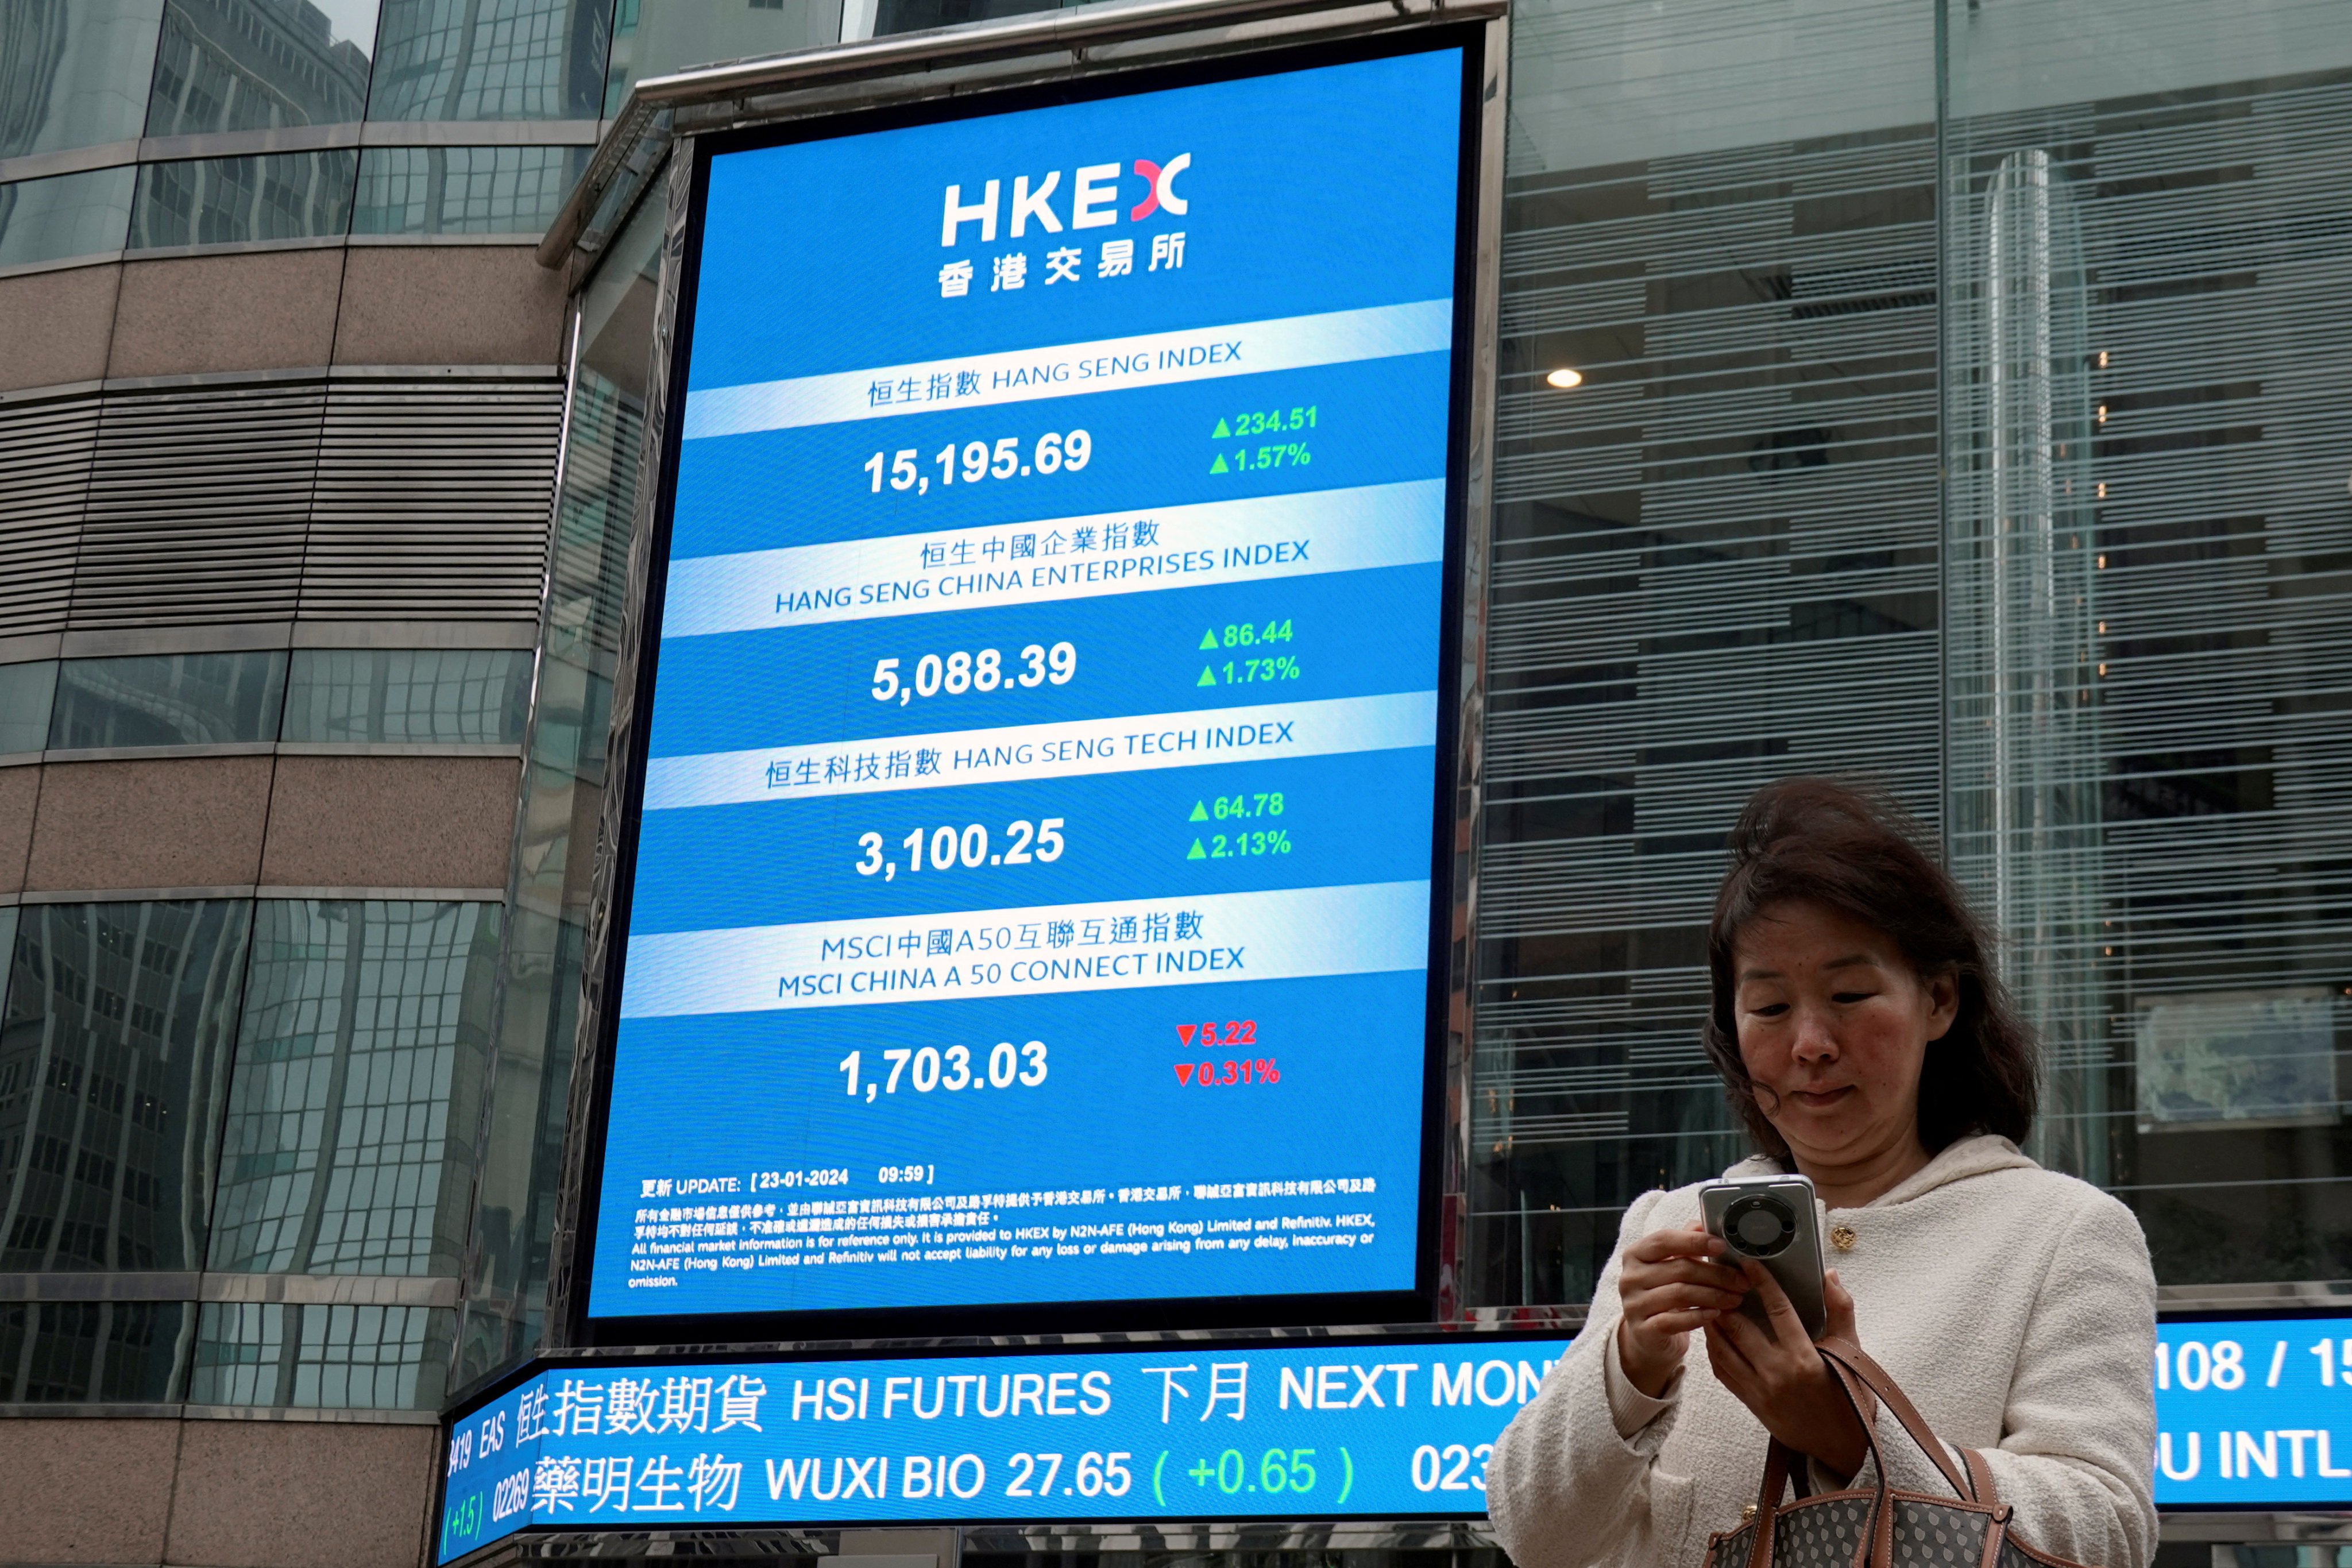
(589, 1062)
(1470, 793)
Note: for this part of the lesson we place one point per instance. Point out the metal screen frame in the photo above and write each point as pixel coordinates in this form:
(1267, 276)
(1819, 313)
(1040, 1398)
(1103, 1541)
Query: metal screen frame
(676, 112)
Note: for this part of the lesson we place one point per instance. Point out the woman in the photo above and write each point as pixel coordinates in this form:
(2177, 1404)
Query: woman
(1867, 1044)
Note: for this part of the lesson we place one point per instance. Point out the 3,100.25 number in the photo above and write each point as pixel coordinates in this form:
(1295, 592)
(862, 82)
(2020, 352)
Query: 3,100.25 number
(968, 848)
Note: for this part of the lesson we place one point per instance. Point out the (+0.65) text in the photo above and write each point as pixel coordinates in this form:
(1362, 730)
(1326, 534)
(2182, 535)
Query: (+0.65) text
(964, 671)
(927, 1067)
(1052, 453)
(1026, 843)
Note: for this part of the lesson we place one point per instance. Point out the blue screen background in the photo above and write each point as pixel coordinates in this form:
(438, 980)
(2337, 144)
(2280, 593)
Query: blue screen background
(1226, 1094)
(1366, 1428)
(2247, 1413)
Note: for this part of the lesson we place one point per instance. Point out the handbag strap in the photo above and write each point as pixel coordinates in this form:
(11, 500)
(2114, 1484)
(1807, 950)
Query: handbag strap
(1865, 1405)
(1980, 1473)
(1867, 1384)
(1783, 1464)
(1848, 1356)
(1778, 1462)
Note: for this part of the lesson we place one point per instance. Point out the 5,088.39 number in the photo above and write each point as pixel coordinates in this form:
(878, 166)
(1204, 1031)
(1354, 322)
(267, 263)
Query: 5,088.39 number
(1054, 453)
(963, 671)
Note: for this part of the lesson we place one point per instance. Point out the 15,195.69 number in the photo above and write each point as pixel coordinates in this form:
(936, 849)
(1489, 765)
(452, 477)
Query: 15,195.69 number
(1054, 453)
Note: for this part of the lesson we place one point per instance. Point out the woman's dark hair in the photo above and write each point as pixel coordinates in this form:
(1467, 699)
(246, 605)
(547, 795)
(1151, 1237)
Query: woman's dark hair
(1858, 853)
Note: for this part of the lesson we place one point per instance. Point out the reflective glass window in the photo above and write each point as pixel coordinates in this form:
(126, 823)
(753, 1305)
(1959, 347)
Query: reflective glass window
(225, 201)
(317, 1357)
(2108, 673)
(472, 696)
(255, 65)
(491, 59)
(2148, 599)
(354, 1099)
(168, 700)
(521, 1161)
(65, 215)
(913, 15)
(618, 74)
(25, 691)
(92, 1351)
(73, 73)
(1713, 562)
(650, 39)
(113, 1049)
(463, 190)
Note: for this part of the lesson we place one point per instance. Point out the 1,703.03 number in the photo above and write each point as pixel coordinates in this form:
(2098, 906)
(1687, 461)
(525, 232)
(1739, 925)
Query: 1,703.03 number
(1054, 453)
(950, 1069)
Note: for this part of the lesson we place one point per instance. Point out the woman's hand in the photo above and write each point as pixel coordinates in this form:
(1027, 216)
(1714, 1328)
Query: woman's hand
(1777, 1373)
(1670, 1286)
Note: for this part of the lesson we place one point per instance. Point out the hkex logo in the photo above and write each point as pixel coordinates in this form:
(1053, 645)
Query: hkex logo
(1094, 200)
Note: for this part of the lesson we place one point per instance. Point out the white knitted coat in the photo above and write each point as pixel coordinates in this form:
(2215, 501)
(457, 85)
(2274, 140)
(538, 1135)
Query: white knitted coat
(2014, 1305)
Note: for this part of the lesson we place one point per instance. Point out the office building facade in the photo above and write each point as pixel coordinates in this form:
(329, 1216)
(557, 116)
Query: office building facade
(1955, 406)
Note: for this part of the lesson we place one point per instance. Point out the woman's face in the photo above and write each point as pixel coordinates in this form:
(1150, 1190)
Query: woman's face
(1833, 1027)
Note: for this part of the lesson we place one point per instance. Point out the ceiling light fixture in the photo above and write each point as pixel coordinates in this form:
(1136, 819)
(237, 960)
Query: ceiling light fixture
(1565, 378)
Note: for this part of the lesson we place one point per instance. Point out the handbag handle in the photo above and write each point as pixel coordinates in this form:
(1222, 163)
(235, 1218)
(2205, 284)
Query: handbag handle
(1867, 1384)
(1783, 1464)
(1865, 1405)
(1845, 1356)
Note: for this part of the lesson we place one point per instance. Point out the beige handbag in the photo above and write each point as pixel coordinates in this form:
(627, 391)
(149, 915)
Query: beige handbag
(1878, 1528)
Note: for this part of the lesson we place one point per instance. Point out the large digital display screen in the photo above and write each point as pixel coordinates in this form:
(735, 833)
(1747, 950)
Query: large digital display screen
(2246, 1413)
(1032, 899)
(1376, 1428)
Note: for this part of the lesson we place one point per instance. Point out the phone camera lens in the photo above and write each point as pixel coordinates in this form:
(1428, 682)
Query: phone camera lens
(1760, 1225)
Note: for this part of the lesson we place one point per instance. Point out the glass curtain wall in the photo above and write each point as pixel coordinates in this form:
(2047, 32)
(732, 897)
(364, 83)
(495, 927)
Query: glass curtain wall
(491, 59)
(348, 1142)
(650, 37)
(73, 74)
(2148, 231)
(227, 1087)
(351, 696)
(2105, 659)
(534, 75)
(113, 1060)
(1714, 557)
(113, 1063)
(95, 76)
(224, 66)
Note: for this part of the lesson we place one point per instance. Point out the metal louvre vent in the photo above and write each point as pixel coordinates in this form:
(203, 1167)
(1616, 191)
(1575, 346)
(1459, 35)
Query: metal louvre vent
(198, 501)
(45, 457)
(431, 501)
(338, 500)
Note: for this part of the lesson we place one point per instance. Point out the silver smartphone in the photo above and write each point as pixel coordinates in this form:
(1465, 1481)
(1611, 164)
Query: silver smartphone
(1773, 1220)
